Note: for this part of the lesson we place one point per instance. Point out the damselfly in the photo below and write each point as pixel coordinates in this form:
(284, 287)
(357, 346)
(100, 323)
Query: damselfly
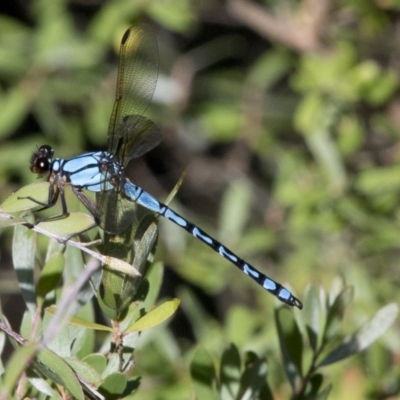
(130, 135)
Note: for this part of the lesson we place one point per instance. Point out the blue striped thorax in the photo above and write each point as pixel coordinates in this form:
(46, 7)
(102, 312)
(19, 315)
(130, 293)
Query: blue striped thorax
(91, 171)
(95, 171)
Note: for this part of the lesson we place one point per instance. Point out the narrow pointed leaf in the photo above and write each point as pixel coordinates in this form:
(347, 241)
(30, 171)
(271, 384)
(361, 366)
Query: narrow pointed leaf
(155, 316)
(81, 322)
(23, 253)
(57, 369)
(313, 317)
(230, 371)
(16, 366)
(291, 344)
(336, 312)
(175, 189)
(204, 375)
(360, 340)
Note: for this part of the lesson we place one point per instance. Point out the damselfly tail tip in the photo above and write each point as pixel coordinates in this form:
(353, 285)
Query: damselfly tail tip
(296, 303)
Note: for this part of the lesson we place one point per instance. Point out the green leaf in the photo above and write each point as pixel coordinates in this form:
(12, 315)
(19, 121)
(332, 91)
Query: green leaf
(16, 366)
(59, 371)
(230, 371)
(235, 210)
(360, 340)
(155, 278)
(74, 266)
(291, 344)
(50, 275)
(80, 322)
(42, 386)
(203, 375)
(155, 316)
(313, 317)
(132, 385)
(113, 386)
(76, 222)
(336, 312)
(27, 326)
(84, 370)
(385, 86)
(68, 341)
(253, 384)
(15, 106)
(221, 122)
(240, 324)
(178, 17)
(97, 361)
(118, 288)
(270, 68)
(324, 395)
(7, 220)
(175, 189)
(376, 180)
(23, 252)
(325, 150)
(2, 344)
(314, 386)
(308, 113)
(18, 201)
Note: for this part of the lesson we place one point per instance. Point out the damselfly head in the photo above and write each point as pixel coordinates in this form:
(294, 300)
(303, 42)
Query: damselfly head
(41, 160)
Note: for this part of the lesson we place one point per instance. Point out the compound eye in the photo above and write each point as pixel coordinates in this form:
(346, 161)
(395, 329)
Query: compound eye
(41, 166)
(41, 160)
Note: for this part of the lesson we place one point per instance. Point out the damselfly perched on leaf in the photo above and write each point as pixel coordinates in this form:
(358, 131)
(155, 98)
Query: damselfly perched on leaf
(130, 135)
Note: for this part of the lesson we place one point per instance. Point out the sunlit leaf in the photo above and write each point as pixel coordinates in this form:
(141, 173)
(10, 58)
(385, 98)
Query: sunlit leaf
(155, 316)
(18, 201)
(313, 316)
(369, 332)
(81, 322)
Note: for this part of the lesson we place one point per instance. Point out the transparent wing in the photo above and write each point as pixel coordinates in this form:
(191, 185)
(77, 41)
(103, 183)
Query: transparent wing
(114, 212)
(137, 78)
(136, 135)
(130, 134)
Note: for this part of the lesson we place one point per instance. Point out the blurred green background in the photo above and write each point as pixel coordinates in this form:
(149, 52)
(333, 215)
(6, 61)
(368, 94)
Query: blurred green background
(286, 115)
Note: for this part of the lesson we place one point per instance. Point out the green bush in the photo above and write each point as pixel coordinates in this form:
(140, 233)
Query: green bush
(286, 117)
